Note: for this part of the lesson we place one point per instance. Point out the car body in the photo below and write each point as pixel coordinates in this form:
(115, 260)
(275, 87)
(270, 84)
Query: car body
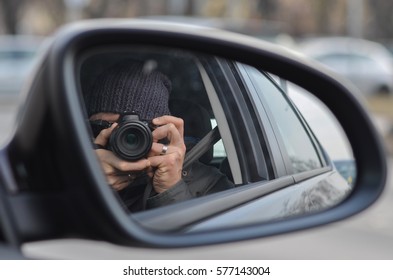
(367, 64)
(53, 185)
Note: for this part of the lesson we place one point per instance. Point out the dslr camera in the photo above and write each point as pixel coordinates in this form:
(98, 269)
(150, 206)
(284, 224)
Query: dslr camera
(131, 140)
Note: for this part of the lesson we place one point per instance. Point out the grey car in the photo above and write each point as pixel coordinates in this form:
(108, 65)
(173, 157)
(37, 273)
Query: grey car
(368, 65)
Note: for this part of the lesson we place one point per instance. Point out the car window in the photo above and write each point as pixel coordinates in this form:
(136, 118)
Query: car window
(298, 144)
(364, 64)
(327, 130)
(344, 63)
(337, 62)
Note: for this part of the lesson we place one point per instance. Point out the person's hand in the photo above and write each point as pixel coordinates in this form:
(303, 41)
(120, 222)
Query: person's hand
(119, 173)
(167, 163)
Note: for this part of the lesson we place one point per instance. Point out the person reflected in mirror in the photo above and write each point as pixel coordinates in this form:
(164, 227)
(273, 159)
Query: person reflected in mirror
(158, 178)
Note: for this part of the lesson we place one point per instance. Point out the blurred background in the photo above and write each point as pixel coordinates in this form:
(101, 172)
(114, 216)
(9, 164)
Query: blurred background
(352, 37)
(321, 29)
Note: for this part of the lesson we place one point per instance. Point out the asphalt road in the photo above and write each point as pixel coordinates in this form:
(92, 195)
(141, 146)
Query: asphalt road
(368, 235)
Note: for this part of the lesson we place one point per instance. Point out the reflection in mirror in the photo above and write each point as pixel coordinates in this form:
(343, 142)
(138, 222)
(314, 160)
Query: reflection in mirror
(327, 130)
(188, 141)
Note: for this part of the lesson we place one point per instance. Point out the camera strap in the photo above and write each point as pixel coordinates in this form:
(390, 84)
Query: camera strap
(202, 147)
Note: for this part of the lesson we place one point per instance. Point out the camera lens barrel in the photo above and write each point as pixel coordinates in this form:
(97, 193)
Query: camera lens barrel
(132, 139)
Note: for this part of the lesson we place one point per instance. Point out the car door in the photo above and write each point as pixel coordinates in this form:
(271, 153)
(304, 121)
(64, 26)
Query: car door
(293, 152)
(284, 165)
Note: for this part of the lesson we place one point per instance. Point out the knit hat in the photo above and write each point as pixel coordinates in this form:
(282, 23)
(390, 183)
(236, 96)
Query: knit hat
(130, 87)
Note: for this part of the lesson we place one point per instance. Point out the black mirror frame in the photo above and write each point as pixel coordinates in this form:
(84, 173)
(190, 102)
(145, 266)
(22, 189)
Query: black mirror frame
(109, 220)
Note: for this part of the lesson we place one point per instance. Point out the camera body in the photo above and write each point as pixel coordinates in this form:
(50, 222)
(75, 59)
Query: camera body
(132, 139)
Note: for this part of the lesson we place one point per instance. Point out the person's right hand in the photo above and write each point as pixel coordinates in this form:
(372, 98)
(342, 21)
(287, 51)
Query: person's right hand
(166, 168)
(119, 173)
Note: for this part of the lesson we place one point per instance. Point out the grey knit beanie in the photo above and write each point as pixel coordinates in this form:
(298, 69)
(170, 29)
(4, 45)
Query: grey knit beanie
(130, 87)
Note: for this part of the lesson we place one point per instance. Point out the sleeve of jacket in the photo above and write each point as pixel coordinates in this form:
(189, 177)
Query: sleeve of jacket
(178, 192)
(198, 180)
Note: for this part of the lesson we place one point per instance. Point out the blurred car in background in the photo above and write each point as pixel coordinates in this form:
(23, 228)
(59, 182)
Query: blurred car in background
(369, 65)
(18, 55)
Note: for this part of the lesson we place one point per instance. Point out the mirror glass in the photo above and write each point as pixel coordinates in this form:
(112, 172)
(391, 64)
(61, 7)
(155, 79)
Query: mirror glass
(327, 130)
(189, 141)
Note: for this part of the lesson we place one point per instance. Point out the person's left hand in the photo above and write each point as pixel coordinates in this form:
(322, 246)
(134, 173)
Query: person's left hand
(166, 166)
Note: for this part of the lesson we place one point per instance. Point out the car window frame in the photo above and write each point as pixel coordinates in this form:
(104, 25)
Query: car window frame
(274, 147)
(321, 154)
(255, 162)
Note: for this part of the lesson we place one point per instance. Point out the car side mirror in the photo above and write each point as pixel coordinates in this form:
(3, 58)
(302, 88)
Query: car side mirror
(56, 187)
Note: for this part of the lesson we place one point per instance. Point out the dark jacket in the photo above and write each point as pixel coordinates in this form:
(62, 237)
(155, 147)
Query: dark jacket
(198, 180)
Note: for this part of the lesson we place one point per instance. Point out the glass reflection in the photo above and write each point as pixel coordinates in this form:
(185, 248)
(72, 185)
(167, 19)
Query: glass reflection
(327, 130)
(258, 143)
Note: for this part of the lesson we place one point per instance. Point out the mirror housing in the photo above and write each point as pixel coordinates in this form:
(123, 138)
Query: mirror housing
(54, 184)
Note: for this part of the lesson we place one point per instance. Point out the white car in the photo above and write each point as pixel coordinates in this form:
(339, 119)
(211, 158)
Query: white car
(367, 64)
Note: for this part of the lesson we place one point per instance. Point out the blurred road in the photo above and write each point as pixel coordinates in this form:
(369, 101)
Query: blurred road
(368, 235)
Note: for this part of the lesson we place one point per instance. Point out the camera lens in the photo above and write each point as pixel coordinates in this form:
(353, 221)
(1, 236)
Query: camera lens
(131, 141)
